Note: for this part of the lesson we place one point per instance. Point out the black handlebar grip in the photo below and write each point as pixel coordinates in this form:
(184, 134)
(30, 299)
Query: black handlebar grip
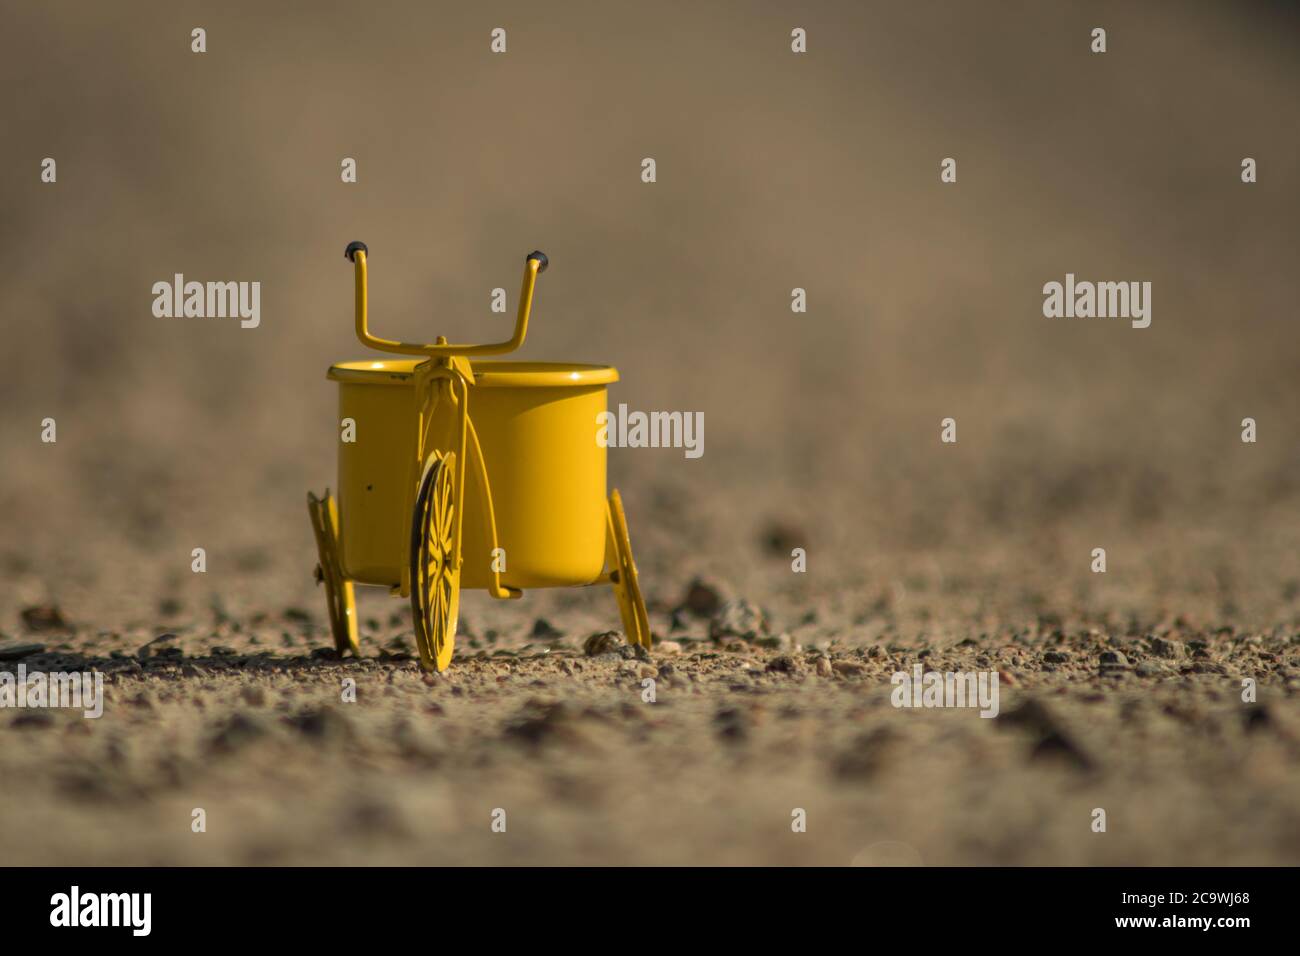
(540, 256)
(352, 248)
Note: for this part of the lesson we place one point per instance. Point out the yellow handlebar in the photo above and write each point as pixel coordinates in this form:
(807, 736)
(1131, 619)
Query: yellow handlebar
(534, 264)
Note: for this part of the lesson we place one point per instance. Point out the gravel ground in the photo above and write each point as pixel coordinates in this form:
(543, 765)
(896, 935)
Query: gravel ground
(248, 720)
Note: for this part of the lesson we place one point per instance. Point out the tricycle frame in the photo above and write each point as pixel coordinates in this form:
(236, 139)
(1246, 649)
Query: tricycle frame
(447, 452)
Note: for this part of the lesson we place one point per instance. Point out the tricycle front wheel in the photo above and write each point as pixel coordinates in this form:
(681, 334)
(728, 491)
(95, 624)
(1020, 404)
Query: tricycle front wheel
(435, 565)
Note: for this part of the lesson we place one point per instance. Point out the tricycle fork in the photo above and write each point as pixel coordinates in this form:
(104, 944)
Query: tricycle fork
(446, 382)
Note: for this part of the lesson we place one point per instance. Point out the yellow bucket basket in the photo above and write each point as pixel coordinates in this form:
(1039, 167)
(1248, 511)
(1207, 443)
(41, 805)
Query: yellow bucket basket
(468, 474)
(536, 427)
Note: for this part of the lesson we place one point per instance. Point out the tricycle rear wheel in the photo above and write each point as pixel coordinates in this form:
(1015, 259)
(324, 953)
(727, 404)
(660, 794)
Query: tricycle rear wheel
(338, 589)
(627, 587)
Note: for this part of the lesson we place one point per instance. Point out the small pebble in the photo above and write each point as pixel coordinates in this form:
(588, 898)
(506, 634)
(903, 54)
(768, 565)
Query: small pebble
(702, 599)
(738, 618)
(45, 617)
(606, 642)
(1162, 647)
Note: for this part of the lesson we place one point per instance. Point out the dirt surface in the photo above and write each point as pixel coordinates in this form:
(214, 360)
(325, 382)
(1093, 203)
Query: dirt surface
(1120, 691)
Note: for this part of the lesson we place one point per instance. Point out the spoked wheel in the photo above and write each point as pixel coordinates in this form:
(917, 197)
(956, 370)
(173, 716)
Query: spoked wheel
(435, 565)
(627, 589)
(338, 590)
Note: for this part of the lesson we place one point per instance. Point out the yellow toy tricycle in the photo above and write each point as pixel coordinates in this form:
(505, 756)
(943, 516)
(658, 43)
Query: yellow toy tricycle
(434, 497)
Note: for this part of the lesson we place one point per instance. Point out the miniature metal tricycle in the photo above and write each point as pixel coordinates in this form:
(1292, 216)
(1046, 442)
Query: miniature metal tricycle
(434, 496)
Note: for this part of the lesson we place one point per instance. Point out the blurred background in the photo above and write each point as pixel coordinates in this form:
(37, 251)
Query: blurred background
(775, 171)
